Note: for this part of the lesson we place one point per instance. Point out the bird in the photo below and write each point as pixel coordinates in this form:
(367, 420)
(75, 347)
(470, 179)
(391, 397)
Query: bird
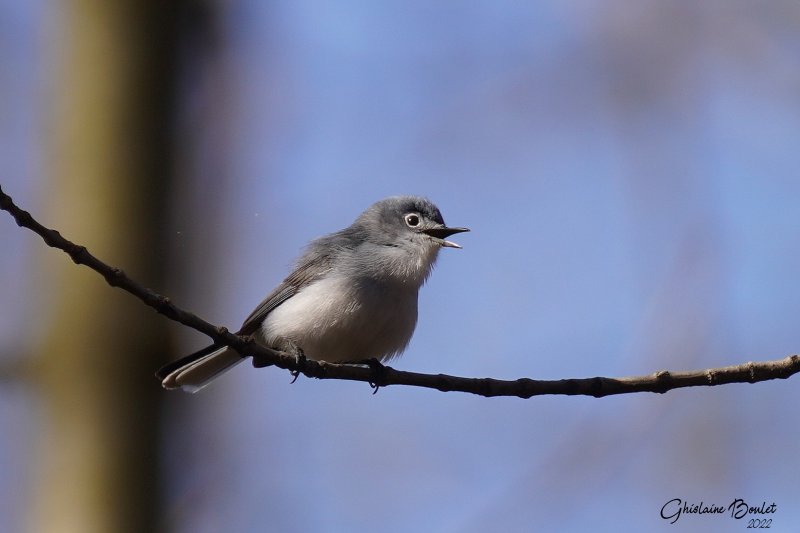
(351, 298)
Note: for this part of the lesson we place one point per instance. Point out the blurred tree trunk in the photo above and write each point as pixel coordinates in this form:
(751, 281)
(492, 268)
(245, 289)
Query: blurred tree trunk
(109, 167)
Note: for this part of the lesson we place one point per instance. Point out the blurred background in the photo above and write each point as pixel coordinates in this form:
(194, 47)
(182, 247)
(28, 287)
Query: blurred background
(628, 169)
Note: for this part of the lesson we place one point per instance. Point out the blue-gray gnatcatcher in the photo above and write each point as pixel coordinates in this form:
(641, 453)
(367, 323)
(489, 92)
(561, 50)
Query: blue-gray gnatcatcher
(351, 298)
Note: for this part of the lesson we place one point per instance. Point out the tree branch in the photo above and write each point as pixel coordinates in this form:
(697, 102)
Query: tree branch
(661, 381)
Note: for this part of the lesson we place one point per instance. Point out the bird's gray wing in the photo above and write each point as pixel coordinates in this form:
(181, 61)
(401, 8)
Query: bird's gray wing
(310, 268)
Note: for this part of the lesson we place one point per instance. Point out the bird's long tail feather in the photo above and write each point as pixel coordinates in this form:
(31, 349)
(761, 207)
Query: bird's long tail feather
(195, 371)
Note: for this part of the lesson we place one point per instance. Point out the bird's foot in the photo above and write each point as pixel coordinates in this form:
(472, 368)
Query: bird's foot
(300, 361)
(379, 371)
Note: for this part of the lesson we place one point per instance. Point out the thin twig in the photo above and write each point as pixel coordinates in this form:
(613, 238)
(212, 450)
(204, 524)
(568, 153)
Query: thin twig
(598, 387)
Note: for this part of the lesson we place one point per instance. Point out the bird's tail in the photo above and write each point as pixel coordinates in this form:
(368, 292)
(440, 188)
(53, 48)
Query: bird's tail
(195, 371)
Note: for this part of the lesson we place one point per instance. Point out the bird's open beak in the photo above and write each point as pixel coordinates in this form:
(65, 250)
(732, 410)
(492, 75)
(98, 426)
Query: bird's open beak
(439, 233)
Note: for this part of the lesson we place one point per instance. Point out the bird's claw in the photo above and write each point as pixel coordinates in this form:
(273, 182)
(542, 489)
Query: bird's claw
(300, 360)
(380, 370)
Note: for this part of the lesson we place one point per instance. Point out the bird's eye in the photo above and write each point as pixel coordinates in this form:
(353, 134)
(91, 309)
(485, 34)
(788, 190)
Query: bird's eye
(412, 220)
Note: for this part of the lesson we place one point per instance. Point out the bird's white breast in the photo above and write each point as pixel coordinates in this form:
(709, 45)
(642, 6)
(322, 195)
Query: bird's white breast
(337, 319)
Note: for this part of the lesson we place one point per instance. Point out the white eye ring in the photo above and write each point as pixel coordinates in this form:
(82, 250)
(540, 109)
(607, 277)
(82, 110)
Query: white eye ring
(412, 220)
